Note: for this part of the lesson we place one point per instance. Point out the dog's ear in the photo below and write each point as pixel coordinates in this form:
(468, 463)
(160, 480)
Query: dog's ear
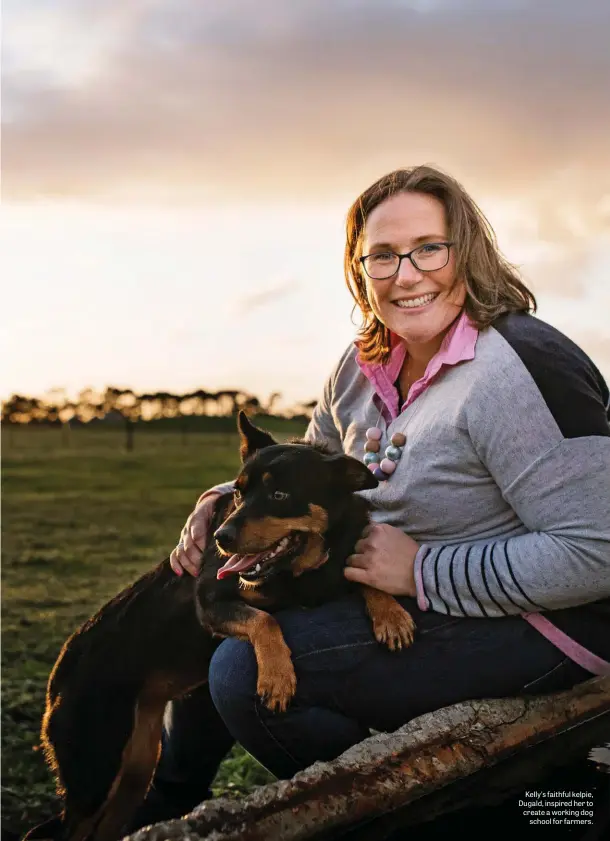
(352, 474)
(251, 438)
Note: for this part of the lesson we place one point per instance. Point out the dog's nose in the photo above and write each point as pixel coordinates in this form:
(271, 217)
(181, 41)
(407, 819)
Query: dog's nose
(225, 536)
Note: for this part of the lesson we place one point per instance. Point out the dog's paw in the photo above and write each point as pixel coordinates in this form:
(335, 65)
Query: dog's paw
(394, 627)
(277, 684)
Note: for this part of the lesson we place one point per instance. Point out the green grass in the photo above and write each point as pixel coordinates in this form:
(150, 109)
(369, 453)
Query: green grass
(82, 518)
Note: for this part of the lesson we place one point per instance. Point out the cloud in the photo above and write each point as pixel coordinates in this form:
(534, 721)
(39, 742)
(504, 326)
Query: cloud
(310, 101)
(308, 98)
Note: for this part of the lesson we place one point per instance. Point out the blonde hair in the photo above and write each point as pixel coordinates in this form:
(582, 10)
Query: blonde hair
(492, 284)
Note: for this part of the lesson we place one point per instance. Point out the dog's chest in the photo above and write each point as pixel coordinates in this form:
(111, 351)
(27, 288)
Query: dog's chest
(310, 589)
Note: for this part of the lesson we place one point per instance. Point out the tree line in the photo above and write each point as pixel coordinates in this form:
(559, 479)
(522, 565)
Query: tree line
(95, 406)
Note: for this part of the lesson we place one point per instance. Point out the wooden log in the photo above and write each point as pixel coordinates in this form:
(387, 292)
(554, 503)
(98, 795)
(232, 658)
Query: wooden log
(426, 768)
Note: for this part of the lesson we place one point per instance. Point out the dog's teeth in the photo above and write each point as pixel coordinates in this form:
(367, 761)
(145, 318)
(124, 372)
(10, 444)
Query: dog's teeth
(257, 568)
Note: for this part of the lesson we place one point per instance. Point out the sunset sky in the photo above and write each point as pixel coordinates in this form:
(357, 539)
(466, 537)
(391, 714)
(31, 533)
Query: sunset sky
(176, 174)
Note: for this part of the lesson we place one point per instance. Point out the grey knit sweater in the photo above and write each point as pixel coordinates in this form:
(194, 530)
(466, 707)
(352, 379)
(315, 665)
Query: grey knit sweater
(504, 479)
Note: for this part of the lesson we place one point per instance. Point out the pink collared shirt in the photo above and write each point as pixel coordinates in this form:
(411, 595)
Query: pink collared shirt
(457, 346)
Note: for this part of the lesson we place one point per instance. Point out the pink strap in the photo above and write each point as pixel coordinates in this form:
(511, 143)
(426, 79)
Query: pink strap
(572, 649)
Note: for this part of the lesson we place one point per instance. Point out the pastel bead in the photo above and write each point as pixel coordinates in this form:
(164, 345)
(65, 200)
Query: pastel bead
(371, 458)
(388, 466)
(372, 446)
(398, 439)
(373, 466)
(373, 433)
(380, 475)
(393, 453)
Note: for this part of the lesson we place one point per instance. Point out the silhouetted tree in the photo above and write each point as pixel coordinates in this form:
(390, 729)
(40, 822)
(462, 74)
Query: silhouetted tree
(89, 405)
(251, 405)
(21, 409)
(227, 402)
(271, 401)
(17, 409)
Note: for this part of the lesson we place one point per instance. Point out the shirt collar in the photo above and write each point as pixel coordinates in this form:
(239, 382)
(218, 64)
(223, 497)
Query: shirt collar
(458, 346)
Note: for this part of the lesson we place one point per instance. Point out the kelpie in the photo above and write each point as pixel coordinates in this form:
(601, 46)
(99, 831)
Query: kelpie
(281, 539)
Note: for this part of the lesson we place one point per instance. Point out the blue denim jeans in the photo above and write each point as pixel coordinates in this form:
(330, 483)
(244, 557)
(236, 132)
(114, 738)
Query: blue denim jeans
(347, 683)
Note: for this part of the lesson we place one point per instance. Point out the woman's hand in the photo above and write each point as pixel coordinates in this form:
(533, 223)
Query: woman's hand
(384, 558)
(187, 555)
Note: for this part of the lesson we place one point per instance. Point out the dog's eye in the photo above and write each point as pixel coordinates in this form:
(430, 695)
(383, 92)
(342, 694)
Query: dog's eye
(279, 495)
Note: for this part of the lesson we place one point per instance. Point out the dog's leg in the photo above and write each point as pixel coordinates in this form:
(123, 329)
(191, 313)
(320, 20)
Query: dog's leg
(140, 758)
(392, 624)
(85, 730)
(276, 678)
(84, 752)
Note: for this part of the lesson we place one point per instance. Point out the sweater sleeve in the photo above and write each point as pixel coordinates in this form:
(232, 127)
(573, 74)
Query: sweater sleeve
(322, 428)
(558, 486)
(217, 490)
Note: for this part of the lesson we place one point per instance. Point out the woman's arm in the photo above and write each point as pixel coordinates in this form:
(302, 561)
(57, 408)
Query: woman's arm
(187, 555)
(557, 483)
(563, 498)
(322, 428)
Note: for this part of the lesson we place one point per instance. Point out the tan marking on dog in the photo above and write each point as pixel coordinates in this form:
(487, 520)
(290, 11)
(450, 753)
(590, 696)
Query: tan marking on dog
(258, 535)
(319, 518)
(277, 681)
(250, 593)
(392, 624)
(312, 557)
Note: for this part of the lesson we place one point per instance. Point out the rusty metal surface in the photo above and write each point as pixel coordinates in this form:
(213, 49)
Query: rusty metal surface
(387, 772)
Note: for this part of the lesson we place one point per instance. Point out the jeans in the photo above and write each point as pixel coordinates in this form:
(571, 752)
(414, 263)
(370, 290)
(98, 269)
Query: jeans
(347, 684)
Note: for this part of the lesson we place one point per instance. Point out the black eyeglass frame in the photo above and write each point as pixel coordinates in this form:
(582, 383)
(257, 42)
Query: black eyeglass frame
(408, 255)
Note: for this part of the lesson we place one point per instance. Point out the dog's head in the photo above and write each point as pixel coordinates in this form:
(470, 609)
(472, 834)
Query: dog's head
(286, 496)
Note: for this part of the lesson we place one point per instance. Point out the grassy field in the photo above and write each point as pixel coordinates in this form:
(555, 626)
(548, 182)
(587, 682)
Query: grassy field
(81, 519)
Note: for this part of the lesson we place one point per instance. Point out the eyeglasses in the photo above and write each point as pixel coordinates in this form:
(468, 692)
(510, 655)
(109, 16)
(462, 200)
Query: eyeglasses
(426, 258)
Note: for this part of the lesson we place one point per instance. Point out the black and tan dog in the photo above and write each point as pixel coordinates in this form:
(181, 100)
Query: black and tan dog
(281, 539)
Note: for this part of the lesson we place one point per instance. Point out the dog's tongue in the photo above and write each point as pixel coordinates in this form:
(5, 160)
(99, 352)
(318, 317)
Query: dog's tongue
(239, 563)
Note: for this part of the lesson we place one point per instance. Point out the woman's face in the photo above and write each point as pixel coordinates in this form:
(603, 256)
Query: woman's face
(399, 224)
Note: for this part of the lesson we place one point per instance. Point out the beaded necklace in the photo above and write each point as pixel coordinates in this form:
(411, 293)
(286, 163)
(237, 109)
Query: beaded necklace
(380, 466)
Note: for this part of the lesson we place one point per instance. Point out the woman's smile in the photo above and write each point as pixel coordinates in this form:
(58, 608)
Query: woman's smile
(416, 303)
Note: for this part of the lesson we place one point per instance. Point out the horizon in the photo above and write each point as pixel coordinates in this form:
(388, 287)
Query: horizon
(176, 181)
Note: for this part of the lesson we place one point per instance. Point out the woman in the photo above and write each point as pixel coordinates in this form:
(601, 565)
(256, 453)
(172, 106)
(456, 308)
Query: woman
(492, 514)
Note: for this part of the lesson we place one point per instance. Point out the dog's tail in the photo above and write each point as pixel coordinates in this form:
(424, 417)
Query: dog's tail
(50, 830)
